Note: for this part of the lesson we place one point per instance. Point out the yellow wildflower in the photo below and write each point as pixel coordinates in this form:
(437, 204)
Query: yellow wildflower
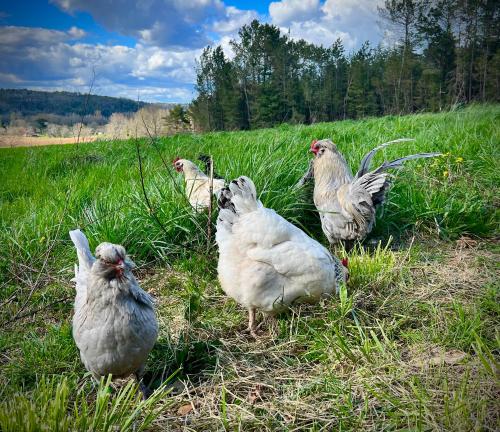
(42, 239)
(446, 174)
(459, 160)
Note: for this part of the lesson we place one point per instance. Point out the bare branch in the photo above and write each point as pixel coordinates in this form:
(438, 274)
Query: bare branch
(146, 198)
(165, 164)
(85, 106)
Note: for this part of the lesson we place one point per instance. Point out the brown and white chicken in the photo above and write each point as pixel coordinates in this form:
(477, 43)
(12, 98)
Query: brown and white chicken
(347, 203)
(197, 184)
(114, 324)
(265, 262)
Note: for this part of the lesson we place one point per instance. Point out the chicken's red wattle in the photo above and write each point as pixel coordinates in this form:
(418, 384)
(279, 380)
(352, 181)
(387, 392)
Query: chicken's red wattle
(313, 146)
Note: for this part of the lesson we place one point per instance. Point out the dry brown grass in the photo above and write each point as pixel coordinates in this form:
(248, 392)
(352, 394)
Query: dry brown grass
(278, 383)
(458, 272)
(21, 141)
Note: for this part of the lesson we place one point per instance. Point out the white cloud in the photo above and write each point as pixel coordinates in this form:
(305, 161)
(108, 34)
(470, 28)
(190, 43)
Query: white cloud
(147, 93)
(9, 78)
(353, 22)
(176, 24)
(225, 43)
(233, 20)
(156, 62)
(76, 33)
(320, 34)
(345, 8)
(15, 36)
(170, 35)
(48, 59)
(287, 11)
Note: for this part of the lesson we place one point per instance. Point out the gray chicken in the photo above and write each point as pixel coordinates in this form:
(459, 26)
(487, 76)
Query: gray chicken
(114, 324)
(347, 203)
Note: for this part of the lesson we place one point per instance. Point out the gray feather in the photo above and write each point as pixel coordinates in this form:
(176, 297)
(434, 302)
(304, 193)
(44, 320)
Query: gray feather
(308, 176)
(367, 159)
(398, 163)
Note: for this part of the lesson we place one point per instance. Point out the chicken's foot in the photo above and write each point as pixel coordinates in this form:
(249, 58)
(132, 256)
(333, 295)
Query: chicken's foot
(252, 328)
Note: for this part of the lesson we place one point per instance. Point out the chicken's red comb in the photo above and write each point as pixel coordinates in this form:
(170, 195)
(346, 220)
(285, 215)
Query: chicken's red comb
(345, 262)
(313, 143)
(176, 159)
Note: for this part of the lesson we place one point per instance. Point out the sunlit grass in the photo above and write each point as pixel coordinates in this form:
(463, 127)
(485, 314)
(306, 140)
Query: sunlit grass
(365, 360)
(63, 405)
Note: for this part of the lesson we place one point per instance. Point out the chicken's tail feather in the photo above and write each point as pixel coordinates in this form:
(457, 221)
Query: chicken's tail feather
(398, 163)
(85, 258)
(207, 161)
(364, 167)
(377, 182)
(239, 197)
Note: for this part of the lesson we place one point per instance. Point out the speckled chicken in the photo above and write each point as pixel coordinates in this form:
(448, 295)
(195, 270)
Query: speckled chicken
(114, 324)
(265, 262)
(197, 184)
(347, 203)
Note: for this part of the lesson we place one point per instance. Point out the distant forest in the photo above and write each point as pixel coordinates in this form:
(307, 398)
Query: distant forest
(30, 102)
(447, 55)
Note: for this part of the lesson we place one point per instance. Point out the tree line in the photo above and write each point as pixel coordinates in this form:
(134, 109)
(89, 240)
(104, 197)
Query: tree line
(447, 54)
(25, 102)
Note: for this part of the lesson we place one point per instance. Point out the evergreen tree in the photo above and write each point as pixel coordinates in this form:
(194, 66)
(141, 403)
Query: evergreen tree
(447, 52)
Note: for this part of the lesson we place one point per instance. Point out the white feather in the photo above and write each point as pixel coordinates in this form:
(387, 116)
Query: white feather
(82, 270)
(265, 262)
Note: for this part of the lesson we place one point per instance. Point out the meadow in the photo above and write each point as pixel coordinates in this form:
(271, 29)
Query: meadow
(413, 343)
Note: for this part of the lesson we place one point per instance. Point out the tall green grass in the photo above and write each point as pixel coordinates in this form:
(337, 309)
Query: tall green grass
(63, 405)
(47, 191)
(346, 362)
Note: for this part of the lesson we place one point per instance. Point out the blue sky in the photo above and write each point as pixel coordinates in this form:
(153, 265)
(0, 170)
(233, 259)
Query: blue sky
(147, 48)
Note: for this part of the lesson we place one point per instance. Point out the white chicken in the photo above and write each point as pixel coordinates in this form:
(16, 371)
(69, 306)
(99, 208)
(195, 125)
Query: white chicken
(114, 324)
(265, 262)
(197, 184)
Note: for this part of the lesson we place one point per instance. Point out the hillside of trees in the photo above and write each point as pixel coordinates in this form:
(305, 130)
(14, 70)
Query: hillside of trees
(31, 102)
(447, 55)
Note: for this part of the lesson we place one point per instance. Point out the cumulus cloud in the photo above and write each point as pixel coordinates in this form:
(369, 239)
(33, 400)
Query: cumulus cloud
(36, 57)
(176, 24)
(322, 23)
(14, 36)
(321, 34)
(287, 11)
(76, 33)
(233, 20)
(170, 35)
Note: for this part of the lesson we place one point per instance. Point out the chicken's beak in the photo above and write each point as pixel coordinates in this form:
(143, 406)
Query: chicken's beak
(178, 167)
(120, 267)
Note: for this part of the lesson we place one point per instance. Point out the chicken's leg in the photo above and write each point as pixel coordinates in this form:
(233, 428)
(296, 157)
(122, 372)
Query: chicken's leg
(348, 245)
(251, 322)
(145, 390)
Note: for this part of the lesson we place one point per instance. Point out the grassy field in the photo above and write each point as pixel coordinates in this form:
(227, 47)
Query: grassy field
(412, 345)
(22, 141)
